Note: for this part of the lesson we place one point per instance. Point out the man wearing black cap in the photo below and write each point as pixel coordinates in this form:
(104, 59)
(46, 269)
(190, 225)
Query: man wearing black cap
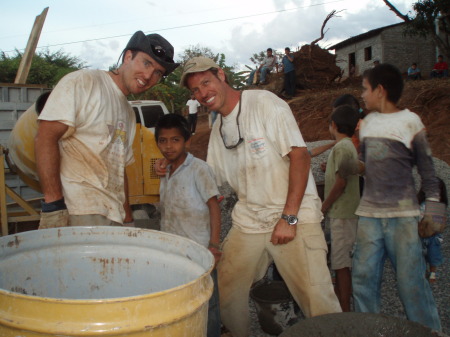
(85, 135)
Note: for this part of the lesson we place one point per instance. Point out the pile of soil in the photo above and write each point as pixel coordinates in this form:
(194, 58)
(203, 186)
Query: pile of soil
(315, 68)
(430, 99)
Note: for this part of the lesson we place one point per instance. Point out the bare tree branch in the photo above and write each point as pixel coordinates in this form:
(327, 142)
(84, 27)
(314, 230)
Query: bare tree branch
(395, 10)
(322, 33)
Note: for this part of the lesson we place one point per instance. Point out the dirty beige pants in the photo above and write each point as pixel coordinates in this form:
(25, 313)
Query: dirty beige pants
(302, 264)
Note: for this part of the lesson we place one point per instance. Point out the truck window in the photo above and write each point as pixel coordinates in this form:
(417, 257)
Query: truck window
(151, 115)
(136, 113)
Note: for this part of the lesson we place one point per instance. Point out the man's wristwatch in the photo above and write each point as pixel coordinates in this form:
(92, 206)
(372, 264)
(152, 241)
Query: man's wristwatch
(291, 219)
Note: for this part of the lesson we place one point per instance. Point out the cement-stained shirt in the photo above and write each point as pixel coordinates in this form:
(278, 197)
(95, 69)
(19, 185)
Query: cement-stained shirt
(391, 144)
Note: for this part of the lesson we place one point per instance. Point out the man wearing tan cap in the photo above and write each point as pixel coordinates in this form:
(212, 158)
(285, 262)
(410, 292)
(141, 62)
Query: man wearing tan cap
(256, 147)
(85, 136)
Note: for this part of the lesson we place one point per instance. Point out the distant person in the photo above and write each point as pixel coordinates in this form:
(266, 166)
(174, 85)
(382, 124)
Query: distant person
(192, 106)
(414, 72)
(440, 69)
(267, 65)
(352, 71)
(85, 136)
(376, 63)
(189, 205)
(392, 142)
(342, 198)
(432, 239)
(289, 73)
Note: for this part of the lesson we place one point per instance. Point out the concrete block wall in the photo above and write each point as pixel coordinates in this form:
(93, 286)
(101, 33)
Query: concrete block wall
(402, 50)
(342, 55)
(390, 46)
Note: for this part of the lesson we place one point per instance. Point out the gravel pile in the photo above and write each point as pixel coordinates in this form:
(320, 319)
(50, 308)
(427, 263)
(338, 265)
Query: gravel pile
(391, 304)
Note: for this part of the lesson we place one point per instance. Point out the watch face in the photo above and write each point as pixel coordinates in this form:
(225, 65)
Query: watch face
(292, 220)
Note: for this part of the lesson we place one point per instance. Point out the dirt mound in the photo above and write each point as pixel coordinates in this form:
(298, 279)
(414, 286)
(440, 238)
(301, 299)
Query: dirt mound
(315, 68)
(430, 99)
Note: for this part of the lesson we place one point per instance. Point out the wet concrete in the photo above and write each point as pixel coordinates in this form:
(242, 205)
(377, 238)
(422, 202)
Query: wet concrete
(352, 324)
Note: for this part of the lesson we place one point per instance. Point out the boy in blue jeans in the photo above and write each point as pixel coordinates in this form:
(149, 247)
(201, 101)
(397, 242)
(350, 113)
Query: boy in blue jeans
(392, 142)
(342, 198)
(189, 205)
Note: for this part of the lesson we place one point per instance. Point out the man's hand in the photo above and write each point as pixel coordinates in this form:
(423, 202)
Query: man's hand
(160, 167)
(54, 214)
(434, 219)
(217, 254)
(283, 233)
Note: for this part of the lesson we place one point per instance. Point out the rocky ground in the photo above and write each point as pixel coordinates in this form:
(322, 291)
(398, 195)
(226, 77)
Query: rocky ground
(391, 304)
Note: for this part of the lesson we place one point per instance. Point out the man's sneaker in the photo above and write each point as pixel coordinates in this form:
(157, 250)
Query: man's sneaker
(193, 133)
(432, 277)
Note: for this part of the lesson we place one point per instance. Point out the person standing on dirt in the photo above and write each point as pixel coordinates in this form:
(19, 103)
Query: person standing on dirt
(85, 135)
(289, 73)
(342, 198)
(393, 141)
(191, 209)
(256, 146)
(192, 106)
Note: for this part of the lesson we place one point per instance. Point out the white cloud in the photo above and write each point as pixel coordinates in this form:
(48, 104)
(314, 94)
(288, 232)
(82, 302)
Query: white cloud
(236, 28)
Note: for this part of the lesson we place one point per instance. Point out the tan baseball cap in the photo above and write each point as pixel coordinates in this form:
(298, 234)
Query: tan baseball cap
(196, 65)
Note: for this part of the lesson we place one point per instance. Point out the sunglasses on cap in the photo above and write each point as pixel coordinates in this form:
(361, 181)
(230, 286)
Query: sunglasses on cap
(161, 53)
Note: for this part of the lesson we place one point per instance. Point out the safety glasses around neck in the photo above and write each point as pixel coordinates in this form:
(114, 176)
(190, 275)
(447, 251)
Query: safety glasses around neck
(240, 140)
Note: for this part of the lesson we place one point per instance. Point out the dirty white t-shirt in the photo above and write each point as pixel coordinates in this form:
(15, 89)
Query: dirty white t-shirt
(258, 169)
(99, 142)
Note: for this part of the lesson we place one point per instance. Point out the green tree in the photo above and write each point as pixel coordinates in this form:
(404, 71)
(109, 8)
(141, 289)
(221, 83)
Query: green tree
(257, 58)
(46, 68)
(430, 18)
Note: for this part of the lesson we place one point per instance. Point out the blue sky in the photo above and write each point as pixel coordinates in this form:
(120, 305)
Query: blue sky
(96, 31)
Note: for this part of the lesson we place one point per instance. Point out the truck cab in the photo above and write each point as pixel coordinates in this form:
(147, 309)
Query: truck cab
(143, 183)
(148, 112)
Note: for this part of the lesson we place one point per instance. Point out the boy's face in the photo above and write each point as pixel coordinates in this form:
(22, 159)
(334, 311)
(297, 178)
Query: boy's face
(172, 145)
(370, 96)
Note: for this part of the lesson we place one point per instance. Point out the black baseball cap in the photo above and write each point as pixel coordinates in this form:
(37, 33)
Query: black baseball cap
(156, 46)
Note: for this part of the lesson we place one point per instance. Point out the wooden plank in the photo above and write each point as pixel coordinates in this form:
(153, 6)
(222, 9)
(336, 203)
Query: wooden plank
(25, 63)
(18, 199)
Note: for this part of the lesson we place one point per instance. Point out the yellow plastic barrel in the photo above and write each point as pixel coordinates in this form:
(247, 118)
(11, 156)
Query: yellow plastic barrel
(103, 281)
